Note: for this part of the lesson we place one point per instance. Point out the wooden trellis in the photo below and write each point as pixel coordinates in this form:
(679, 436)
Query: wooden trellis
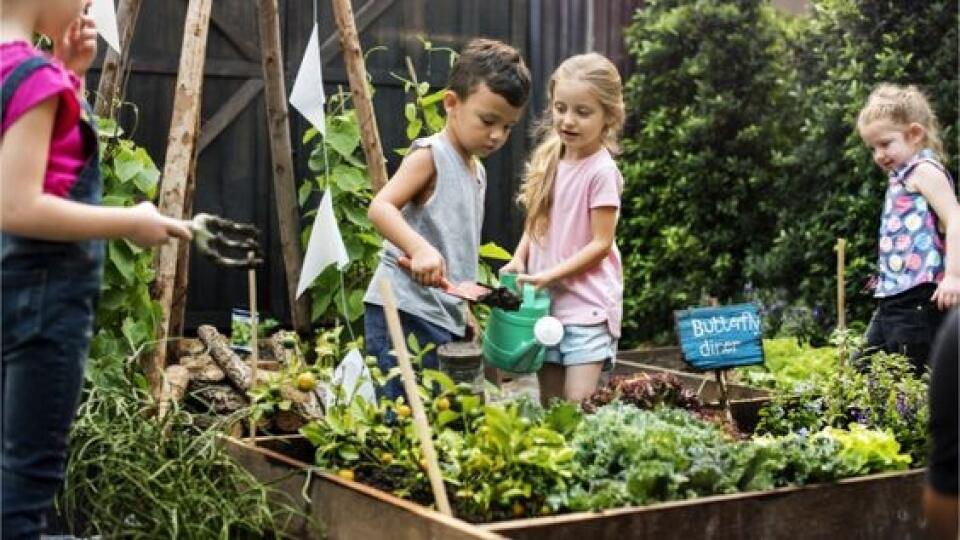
(187, 138)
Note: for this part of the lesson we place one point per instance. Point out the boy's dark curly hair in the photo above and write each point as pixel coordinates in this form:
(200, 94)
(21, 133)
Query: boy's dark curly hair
(495, 63)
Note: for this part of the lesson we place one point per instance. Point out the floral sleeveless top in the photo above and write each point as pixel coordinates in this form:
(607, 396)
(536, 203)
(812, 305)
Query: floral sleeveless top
(911, 247)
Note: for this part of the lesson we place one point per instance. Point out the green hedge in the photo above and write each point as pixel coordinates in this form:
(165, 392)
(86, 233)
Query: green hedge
(742, 164)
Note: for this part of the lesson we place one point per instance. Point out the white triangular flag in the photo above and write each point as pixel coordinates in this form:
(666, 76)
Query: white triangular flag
(105, 16)
(354, 378)
(307, 95)
(325, 247)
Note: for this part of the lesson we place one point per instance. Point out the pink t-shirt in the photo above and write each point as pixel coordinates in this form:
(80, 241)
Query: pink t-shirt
(596, 296)
(67, 153)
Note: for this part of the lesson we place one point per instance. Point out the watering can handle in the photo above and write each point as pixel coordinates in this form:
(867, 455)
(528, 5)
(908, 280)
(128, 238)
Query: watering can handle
(529, 294)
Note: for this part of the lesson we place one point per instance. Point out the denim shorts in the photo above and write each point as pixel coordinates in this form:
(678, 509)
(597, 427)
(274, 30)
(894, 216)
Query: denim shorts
(584, 345)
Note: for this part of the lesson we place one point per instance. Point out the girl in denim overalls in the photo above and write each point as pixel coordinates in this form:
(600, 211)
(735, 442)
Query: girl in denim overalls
(52, 246)
(918, 272)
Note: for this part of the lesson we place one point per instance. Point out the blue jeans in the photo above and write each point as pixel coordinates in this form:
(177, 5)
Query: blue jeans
(49, 296)
(377, 339)
(47, 326)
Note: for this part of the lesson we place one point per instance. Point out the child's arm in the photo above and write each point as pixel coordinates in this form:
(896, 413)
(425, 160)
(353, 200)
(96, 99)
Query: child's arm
(410, 181)
(603, 223)
(518, 264)
(934, 187)
(27, 211)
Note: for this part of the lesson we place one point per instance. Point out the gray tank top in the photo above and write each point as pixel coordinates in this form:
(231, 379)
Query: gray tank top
(450, 221)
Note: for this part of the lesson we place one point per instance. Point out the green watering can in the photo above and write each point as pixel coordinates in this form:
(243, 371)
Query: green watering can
(509, 342)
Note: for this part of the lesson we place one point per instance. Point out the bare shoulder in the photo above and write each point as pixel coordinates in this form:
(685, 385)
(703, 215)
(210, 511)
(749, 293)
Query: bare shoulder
(927, 176)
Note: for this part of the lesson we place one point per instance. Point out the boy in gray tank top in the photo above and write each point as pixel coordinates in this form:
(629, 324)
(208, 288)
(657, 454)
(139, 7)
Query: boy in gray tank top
(431, 210)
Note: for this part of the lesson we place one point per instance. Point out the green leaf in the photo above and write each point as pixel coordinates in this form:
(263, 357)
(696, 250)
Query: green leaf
(343, 134)
(127, 167)
(413, 128)
(349, 179)
(491, 250)
(122, 260)
(303, 194)
(423, 88)
(410, 112)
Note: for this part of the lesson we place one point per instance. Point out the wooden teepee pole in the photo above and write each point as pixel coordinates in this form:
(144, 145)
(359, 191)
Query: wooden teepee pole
(110, 87)
(179, 162)
(281, 152)
(357, 74)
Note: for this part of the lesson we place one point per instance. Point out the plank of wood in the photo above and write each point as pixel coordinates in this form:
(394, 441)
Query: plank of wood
(877, 506)
(281, 154)
(229, 112)
(357, 74)
(115, 64)
(181, 144)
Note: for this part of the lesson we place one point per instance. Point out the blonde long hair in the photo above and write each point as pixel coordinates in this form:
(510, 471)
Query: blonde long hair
(903, 105)
(536, 193)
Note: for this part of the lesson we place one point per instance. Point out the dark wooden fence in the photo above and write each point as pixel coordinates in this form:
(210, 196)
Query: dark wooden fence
(233, 170)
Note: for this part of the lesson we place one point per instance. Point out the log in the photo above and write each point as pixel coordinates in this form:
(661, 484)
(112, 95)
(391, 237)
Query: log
(277, 348)
(281, 154)
(218, 399)
(237, 371)
(357, 74)
(175, 381)
(203, 369)
(181, 143)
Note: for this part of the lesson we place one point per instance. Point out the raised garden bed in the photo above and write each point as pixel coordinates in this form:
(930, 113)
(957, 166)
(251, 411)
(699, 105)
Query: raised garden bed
(877, 506)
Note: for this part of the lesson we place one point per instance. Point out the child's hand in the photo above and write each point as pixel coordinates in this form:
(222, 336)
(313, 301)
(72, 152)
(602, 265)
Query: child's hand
(427, 266)
(515, 266)
(151, 228)
(539, 281)
(78, 46)
(947, 294)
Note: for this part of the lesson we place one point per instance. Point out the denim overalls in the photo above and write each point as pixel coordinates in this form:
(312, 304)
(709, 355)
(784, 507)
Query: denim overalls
(50, 290)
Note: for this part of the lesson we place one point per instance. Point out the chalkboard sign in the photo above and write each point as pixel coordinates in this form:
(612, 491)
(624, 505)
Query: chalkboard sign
(720, 337)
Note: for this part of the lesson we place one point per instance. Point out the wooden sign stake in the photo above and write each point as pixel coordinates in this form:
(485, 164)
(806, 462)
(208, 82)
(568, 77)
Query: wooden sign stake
(410, 386)
(177, 165)
(357, 74)
(721, 375)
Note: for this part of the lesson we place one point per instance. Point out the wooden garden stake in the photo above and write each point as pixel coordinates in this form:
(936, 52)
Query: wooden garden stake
(181, 143)
(113, 72)
(254, 346)
(281, 153)
(357, 74)
(724, 397)
(410, 386)
(841, 298)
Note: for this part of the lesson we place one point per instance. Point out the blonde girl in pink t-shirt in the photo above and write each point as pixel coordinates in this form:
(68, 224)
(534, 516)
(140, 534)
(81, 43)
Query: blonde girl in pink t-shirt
(571, 193)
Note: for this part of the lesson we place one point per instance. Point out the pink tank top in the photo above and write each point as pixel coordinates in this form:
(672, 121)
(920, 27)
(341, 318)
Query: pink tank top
(67, 153)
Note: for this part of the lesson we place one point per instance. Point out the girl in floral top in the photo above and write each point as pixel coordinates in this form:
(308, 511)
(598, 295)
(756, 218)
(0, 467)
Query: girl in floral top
(919, 265)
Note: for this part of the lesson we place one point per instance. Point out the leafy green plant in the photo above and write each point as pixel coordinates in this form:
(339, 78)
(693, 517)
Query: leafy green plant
(338, 163)
(630, 456)
(789, 364)
(887, 396)
(130, 475)
(126, 315)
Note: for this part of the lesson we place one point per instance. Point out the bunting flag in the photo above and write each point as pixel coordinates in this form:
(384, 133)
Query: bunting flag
(325, 247)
